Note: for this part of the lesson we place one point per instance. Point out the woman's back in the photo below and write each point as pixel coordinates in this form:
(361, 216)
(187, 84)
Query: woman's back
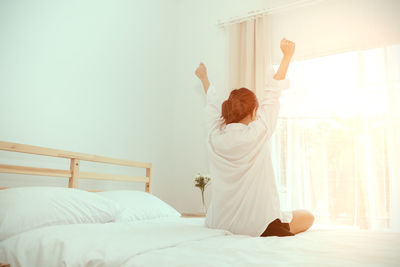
(244, 191)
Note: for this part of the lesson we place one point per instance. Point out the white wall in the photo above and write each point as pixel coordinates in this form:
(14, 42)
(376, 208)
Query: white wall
(88, 76)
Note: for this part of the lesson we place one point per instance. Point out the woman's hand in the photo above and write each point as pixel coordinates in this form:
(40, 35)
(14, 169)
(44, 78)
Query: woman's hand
(287, 48)
(201, 73)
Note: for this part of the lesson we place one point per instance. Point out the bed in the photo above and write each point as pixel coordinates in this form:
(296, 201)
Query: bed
(74, 227)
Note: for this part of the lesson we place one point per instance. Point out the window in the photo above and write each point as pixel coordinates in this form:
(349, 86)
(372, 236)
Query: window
(330, 148)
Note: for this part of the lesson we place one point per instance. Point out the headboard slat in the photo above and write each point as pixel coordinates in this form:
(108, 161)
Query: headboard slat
(22, 148)
(117, 177)
(74, 172)
(33, 171)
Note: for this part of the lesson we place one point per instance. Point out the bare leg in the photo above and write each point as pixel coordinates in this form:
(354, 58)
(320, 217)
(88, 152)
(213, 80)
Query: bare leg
(302, 220)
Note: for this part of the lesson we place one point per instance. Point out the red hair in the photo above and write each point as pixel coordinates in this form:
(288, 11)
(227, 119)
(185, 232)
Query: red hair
(241, 102)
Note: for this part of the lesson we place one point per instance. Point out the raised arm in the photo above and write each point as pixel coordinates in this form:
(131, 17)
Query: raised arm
(269, 106)
(287, 48)
(213, 101)
(201, 73)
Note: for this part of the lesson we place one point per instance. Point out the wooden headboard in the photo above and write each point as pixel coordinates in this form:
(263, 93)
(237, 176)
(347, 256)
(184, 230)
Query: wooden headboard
(73, 173)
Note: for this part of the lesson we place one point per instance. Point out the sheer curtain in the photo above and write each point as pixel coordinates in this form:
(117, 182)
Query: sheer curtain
(393, 86)
(332, 146)
(336, 147)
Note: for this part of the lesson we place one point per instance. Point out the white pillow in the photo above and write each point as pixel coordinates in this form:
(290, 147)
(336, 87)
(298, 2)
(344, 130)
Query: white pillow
(138, 205)
(26, 208)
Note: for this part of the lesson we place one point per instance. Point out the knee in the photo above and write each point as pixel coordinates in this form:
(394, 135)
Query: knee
(310, 218)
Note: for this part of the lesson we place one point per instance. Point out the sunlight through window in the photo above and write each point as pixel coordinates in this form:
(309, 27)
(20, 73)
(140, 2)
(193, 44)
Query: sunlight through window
(330, 147)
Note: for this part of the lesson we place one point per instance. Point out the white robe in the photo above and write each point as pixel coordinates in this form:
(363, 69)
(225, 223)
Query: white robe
(245, 197)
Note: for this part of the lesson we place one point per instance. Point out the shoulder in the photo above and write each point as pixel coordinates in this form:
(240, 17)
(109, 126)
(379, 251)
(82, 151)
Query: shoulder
(259, 124)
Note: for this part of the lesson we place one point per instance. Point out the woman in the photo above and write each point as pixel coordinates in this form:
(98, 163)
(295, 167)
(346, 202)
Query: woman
(245, 196)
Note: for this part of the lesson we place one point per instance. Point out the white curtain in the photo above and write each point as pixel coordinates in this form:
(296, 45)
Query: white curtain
(249, 54)
(335, 149)
(393, 87)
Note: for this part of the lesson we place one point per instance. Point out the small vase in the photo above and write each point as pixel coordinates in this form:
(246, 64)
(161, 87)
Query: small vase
(204, 208)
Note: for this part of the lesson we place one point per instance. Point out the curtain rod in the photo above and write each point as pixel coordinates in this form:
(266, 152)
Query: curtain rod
(261, 12)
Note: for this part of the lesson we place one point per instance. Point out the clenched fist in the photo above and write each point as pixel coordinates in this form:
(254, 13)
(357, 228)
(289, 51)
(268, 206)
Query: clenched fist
(201, 71)
(287, 47)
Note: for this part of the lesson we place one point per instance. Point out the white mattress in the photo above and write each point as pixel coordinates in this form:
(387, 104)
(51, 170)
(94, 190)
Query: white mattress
(186, 242)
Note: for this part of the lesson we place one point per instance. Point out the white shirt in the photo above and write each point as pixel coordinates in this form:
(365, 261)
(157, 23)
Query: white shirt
(245, 197)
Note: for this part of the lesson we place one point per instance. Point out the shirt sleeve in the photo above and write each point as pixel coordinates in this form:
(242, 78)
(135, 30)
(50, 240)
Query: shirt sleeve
(213, 108)
(269, 103)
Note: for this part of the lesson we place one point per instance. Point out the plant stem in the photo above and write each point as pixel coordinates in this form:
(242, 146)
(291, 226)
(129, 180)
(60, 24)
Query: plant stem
(202, 199)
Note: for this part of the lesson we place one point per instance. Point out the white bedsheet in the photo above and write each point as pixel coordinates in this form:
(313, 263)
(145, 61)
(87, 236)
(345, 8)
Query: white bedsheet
(186, 242)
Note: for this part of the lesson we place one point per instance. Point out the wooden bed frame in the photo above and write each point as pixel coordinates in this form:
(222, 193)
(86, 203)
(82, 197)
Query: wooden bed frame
(73, 173)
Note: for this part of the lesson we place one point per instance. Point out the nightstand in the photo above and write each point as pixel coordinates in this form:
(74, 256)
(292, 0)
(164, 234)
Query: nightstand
(193, 215)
